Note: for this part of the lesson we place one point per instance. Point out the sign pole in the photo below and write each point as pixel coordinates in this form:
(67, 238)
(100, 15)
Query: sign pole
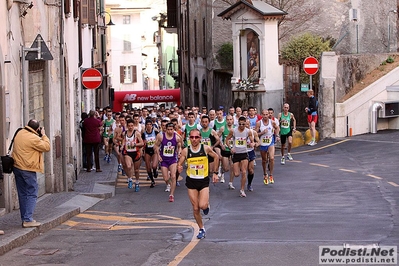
(310, 66)
(310, 82)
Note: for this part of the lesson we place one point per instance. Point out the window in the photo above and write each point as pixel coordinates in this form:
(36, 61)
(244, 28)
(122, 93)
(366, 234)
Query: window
(88, 8)
(126, 19)
(128, 74)
(127, 44)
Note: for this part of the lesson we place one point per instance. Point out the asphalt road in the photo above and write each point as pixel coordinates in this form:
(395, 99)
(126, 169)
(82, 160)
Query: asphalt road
(339, 191)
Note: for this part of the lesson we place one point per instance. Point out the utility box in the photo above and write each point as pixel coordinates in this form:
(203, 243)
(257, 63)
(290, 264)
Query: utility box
(389, 109)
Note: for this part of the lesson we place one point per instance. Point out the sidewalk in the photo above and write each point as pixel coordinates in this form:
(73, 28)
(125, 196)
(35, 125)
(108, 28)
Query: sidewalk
(54, 209)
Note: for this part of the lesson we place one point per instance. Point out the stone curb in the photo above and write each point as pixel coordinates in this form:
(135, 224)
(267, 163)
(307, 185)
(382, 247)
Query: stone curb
(19, 239)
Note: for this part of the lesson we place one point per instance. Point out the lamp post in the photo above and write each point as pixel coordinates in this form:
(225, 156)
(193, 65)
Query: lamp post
(389, 29)
(110, 23)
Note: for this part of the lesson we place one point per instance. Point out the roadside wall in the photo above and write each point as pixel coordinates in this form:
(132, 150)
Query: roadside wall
(338, 76)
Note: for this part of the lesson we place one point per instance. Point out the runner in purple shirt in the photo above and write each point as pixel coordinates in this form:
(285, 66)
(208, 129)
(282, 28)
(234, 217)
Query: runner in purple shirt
(168, 147)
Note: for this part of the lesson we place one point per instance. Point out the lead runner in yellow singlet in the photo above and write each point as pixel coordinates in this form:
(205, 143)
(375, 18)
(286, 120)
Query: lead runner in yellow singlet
(197, 180)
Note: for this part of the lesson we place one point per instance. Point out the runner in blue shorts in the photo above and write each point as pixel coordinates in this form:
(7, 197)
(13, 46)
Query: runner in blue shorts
(266, 129)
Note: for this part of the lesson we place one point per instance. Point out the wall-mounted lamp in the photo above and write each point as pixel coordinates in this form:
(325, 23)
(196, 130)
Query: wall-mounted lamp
(161, 18)
(110, 23)
(24, 9)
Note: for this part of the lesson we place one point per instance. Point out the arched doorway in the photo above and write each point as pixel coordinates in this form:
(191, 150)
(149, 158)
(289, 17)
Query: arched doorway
(204, 94)
(196, 92)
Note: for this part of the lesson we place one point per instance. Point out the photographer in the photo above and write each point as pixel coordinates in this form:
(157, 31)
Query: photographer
(29, 145)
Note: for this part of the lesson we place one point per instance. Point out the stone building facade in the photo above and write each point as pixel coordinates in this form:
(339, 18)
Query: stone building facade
(49, 90)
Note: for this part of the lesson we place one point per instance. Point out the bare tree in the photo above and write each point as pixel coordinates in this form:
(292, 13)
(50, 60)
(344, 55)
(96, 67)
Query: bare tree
(299, 13)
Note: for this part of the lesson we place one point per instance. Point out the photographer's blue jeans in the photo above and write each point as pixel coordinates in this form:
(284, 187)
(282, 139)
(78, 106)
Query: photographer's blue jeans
(27, 188)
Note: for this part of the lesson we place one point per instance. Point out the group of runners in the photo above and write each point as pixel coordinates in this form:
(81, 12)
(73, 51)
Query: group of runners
(207, 144)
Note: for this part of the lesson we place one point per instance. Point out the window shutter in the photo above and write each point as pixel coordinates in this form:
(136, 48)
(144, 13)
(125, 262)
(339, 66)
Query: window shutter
(76, 7)
(67, 7)
(122, 74)
(134, 74)
(92, 12)
(172, 11)
(84, 11)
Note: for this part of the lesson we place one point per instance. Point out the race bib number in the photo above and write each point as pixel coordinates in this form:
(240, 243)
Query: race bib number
(285, 124)
(130, 146)
(241, 142)
(267, 140)
(206, 141)
(168, 151)
(197, 171)
(151, 142)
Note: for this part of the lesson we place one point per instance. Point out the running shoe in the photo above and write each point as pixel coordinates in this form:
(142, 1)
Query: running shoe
(123, 172)
(231, 186)
(152, 184)
(109, 159)
(130, 183)
(148, 178)
(289, 157)
(177, 184)
(249, 188)
(167, 188)
(106, 157)
(266, 179)
(171, 198)
(242, 194)
(206, 211)
(282, 160)
(119, 168)
(201, 234)
(271, 179)
(222, 178)
(312, 143)
(136, 187)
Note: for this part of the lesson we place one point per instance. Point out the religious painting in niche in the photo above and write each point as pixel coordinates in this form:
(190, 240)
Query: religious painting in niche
(253, 57)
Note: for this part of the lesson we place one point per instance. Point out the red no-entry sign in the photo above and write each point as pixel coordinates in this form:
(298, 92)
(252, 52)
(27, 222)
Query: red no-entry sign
(92, 78)
(310, 65)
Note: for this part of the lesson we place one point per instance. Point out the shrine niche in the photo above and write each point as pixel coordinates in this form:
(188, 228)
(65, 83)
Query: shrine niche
(253, 63)
(256, 67)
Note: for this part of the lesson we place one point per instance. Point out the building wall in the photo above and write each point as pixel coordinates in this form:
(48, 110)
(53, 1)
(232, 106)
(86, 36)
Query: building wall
(43, 84)
(141, 30)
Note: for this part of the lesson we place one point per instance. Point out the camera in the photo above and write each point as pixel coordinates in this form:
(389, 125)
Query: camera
(39, 131)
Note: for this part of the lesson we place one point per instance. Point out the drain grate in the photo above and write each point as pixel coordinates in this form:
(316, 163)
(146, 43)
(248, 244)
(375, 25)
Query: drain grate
(37, 252)
(92, 226)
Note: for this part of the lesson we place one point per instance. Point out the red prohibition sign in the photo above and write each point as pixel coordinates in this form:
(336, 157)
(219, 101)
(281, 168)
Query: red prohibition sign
(92, 78)
(310, 65)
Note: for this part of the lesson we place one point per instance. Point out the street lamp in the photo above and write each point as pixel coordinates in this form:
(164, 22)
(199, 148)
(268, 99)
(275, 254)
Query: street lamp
(110, 23)
(389, 29)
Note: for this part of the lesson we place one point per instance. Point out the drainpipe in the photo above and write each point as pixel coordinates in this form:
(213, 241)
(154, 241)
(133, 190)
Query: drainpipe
(62, 88)
(374, 115)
